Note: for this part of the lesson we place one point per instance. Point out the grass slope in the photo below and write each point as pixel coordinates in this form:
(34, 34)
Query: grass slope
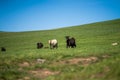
(93, 40)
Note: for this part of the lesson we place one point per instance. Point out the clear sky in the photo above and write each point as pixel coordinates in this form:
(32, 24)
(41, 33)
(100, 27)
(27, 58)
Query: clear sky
(28, 15)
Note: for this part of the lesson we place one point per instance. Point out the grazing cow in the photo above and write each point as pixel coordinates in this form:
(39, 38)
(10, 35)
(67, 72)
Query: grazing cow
(70, 42)
(3, 49)
(53, 43)
(114, 44)
(39, 45)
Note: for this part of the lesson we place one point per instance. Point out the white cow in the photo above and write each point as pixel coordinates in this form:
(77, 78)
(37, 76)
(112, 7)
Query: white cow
(114, 44)
(53, 43)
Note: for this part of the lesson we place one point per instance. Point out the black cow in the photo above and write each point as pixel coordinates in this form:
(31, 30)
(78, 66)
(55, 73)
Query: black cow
(70, 42)
(3, 49)
(39, 45)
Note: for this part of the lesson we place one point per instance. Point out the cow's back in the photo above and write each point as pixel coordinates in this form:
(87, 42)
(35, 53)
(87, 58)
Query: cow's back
(54, 41)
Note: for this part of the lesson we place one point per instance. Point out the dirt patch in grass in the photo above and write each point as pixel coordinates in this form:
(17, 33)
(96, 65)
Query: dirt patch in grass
(42, 73)
(24, 64)
(25, 78)
(38, 73)
(84, 61)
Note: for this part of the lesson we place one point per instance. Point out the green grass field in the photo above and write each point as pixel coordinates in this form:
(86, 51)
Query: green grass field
(94, 58)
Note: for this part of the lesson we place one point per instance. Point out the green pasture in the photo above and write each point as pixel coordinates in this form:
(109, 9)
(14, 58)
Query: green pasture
(93, 40)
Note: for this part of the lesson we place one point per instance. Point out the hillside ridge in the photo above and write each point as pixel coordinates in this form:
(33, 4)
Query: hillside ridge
(101, 22)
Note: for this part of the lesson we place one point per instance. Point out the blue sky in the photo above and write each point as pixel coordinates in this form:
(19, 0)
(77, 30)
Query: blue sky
(29, 15)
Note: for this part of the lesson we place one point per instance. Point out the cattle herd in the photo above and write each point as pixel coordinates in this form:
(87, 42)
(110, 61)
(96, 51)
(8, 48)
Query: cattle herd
(70, 43)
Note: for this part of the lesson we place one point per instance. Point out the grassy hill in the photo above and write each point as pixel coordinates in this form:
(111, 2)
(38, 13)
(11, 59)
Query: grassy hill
(94, 58)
